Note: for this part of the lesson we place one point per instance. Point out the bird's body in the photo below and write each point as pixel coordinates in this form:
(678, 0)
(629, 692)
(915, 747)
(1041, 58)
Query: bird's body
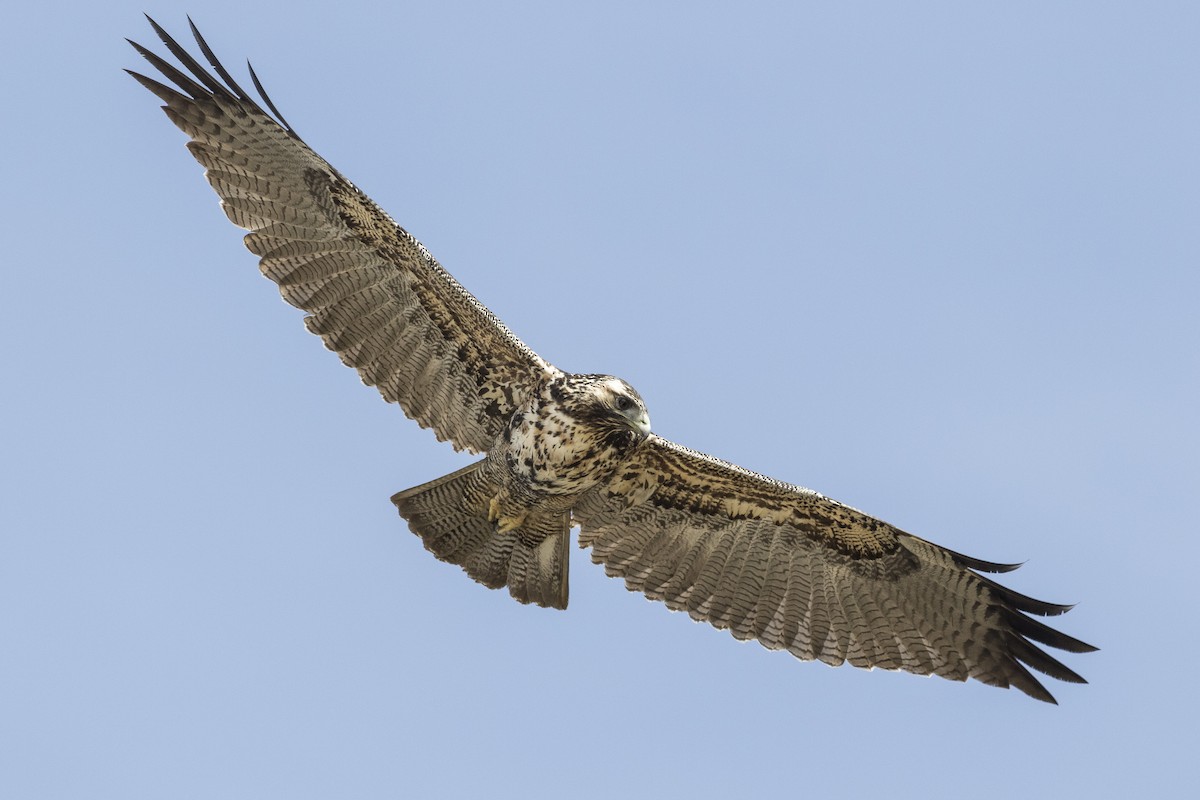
(571, 434)
(765, 559)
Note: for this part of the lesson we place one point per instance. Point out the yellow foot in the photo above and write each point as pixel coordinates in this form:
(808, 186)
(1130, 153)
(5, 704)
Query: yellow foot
(504, 524)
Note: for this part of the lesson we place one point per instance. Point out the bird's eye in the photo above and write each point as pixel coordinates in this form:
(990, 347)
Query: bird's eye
(624, 403)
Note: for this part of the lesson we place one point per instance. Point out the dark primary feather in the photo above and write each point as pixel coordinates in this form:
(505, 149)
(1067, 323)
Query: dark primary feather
(373, 293)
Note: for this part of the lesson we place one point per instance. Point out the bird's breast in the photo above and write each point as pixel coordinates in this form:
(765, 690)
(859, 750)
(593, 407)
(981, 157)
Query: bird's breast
(552, 453)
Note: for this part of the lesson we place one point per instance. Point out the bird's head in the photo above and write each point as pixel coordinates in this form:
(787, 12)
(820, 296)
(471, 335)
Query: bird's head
(613, 404)
(628, 406)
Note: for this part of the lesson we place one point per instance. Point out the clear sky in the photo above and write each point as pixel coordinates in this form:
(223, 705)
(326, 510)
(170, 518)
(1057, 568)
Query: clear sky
(936, 260)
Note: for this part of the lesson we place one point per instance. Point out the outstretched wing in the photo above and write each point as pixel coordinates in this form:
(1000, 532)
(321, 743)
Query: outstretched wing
(373, 292)
(800, 572)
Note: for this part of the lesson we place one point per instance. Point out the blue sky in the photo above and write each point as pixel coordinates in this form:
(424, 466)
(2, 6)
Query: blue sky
(936, 260)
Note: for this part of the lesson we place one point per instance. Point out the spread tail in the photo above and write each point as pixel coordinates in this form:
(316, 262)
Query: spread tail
(450, 514)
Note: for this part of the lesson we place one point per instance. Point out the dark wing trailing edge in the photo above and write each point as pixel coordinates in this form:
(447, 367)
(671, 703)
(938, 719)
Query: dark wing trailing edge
(800, 572)
(373, 293)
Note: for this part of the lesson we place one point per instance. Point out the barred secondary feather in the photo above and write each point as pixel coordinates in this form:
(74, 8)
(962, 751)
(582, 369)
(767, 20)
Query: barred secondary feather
(763, 559)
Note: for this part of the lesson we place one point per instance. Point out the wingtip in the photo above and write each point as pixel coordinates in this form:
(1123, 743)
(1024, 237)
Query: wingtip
(267, 99)
(982, 565)
(158, 29)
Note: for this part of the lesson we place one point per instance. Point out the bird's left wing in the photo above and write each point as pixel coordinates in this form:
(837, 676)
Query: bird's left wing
(798, 571)
(373, 292)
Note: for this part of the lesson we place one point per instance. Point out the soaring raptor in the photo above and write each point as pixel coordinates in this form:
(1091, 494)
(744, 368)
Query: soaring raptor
(764, 559)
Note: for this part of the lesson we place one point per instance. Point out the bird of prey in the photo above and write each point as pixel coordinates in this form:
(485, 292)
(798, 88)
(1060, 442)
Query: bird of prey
(763, 559)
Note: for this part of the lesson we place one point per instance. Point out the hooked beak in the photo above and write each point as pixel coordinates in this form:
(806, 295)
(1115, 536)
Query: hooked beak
(640, 425)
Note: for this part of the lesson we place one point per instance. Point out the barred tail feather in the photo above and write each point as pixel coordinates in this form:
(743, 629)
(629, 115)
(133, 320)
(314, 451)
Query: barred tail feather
(450, 514)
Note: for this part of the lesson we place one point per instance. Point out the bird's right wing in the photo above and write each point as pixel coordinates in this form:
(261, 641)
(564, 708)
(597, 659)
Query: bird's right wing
(372, 292)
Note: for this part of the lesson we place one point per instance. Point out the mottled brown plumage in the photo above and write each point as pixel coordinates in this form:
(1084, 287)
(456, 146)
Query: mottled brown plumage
(765, 560)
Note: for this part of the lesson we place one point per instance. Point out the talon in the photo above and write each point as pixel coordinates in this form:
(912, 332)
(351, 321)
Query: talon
(494, 509)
